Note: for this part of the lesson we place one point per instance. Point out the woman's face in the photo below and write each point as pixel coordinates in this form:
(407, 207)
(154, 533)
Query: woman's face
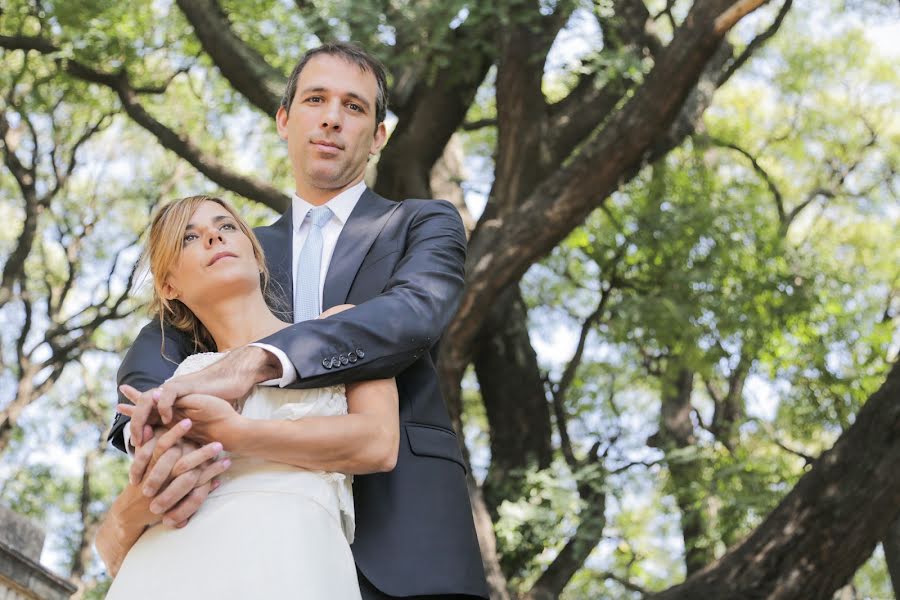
(216, 259)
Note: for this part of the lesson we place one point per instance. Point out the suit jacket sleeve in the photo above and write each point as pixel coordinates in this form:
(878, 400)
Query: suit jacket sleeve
(392, 330)
(145, 367)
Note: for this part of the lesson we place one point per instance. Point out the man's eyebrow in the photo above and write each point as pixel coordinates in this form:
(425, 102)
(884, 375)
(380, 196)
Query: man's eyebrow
(216, 219)
(353, 95)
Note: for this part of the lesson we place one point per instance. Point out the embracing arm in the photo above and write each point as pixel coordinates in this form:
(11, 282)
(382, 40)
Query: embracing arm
(390, 331)
(366, 440)
(135, 509)
(144, 367)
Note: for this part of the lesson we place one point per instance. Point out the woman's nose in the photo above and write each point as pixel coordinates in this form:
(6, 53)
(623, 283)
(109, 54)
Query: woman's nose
(213, 237)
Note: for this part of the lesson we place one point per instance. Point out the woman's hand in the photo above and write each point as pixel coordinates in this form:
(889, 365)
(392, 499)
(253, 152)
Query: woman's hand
(213, 419)
(335, 310)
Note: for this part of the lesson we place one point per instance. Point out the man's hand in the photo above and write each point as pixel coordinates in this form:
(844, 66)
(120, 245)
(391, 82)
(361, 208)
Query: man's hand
(230, 379)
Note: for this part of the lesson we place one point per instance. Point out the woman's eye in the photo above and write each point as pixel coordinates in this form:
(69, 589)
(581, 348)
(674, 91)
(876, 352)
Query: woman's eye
(189, 237)
(229, 226)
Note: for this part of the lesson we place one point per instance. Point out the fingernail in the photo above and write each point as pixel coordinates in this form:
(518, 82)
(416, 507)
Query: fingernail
(226, 463)
(168, 522)
(217, 447)
(155, 395)
(155, 509)
(216, 484)
(148, 491)
(185, 424)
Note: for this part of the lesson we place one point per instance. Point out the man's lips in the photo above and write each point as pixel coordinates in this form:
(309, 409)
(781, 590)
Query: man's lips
(221, 255)
(326, 144)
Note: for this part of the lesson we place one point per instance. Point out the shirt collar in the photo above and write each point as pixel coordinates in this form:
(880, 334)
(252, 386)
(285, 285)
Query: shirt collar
(341, 205)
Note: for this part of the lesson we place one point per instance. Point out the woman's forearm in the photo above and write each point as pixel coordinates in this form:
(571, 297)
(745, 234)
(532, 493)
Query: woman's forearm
(366, 440)
(352, 444)
(127, 519)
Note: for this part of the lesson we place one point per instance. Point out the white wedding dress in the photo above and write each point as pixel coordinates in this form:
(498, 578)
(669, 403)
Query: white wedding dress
(270, 530)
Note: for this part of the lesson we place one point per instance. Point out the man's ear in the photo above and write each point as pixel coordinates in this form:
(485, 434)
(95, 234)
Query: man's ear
(281, 120)
(379, 139)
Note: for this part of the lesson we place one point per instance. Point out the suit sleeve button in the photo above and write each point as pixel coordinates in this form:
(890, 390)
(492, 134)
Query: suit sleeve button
(360, 353)
(326, 362)
(345, 359)
(353, 358)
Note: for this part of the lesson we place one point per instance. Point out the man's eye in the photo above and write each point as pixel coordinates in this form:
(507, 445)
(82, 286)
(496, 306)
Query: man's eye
(315, 99)
(354, 106)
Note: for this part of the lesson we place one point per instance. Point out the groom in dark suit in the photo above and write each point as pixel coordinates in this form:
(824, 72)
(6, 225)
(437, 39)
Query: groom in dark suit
(402, 264)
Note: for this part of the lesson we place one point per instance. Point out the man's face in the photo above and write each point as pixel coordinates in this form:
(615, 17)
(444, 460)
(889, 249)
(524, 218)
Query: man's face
(330, 128)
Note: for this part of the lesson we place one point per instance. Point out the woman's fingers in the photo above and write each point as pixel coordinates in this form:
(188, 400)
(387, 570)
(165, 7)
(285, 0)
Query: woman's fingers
(140, 414)
(184, 510)
(171, 437)
(196, 458)
(159, 473)
(213, 470)
(142, 456)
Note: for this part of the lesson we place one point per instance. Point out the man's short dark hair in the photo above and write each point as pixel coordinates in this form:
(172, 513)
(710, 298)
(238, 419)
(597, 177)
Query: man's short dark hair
(352, 54)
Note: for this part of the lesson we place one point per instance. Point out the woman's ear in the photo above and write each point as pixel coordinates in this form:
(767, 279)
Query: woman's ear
(168, 291)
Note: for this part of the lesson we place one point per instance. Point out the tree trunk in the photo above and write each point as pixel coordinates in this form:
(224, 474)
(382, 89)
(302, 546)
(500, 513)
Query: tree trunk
(827, 526)
(891, 544)
(676, 437)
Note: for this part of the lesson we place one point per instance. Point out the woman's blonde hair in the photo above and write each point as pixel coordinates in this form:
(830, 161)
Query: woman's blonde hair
(163, 252)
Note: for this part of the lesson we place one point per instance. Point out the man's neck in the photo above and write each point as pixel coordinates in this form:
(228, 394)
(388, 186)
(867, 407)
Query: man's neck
(319, 196)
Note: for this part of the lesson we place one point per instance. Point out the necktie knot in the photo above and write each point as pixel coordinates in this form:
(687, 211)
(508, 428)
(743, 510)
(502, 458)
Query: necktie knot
(319, 215)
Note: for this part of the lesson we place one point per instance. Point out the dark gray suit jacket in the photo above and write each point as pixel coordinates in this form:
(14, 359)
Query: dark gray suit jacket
(403, 264)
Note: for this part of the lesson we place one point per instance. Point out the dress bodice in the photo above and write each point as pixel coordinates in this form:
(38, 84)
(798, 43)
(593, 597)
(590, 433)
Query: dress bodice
(271, 402)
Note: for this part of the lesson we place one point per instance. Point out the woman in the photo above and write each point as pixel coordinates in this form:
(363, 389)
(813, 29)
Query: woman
(269, 529)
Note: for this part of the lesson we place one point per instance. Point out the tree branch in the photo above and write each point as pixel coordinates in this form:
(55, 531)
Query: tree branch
(757, 43)
(244, 68)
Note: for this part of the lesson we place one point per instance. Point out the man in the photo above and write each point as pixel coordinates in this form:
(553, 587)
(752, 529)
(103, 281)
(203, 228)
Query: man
(402, 264)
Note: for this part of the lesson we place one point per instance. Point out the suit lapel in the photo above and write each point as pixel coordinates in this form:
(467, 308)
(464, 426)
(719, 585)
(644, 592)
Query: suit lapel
(362, 227)
(277, 241)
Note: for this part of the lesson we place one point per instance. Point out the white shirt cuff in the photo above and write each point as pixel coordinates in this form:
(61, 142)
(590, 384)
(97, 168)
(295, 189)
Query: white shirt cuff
(126, 435)
(288, 372)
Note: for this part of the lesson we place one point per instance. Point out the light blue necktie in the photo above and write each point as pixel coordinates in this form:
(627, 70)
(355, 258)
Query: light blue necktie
(306, 300)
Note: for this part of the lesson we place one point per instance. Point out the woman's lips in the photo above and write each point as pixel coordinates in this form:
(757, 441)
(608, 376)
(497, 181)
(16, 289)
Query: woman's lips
(216, 258)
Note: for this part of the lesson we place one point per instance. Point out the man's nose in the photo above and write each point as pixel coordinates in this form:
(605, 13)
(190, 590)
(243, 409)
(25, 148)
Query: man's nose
(332, 117)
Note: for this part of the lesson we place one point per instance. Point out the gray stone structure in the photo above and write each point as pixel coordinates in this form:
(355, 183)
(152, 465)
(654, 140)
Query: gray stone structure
(21, 575)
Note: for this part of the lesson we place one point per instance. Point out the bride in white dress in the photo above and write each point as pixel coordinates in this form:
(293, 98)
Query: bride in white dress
(269, 529)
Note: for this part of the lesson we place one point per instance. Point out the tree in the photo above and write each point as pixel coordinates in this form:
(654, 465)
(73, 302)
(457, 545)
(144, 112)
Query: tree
(561, 143)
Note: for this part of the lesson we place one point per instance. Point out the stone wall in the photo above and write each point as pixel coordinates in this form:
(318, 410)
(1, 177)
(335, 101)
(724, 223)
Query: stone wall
(21, 575)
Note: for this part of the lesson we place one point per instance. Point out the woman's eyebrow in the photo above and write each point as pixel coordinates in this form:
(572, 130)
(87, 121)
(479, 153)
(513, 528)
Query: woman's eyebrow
(216, 219)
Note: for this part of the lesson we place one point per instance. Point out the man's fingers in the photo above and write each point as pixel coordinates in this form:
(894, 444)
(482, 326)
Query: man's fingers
(160, 472)
(196, 458)
(183, 511)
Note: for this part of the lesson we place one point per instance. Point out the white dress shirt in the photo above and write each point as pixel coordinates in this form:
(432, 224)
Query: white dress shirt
(341, 206)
